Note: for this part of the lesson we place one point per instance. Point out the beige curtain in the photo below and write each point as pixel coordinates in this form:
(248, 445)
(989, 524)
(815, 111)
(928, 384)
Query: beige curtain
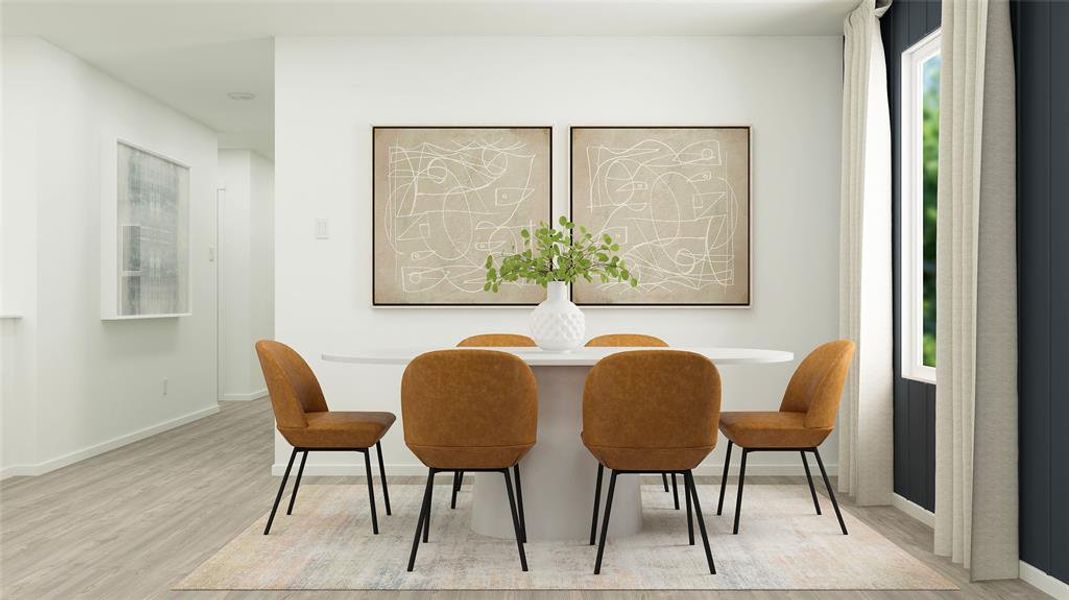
(866, 456)
(976, 355)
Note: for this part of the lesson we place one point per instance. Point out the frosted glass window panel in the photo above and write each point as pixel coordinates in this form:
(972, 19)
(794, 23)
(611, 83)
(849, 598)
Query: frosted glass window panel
(153, 233)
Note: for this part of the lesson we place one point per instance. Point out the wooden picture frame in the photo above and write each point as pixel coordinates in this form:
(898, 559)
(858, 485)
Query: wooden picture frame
(443, 198)
(678, 200)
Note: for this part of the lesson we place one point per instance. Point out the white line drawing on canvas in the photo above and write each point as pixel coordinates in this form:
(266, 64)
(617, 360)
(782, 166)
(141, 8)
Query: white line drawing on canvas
(672, 209)
(450, 204)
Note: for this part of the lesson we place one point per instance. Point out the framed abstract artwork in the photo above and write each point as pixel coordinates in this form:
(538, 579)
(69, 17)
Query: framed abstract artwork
(677, 201)
(443, 199)
(146, 237)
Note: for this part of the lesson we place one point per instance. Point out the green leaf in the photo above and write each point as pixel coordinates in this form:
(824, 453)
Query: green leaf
(557, 254)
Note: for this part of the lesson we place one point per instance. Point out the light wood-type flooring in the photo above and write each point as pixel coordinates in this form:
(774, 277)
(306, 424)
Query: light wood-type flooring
(132, 522)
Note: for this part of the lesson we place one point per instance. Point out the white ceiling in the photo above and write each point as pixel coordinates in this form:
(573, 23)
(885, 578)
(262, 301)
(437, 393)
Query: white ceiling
(191, 53)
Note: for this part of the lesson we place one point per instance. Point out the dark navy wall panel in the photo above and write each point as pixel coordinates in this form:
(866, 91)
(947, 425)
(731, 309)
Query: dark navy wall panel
(1059, 289)
(1041, 44)
(1041, 49)
(1032, 46)
(905, 24)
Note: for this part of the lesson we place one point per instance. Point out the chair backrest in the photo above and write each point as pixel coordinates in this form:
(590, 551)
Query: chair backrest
(291, 383)
(469, 398)
(634, 340)
(817, 384)
(490, 340)
(652, 399)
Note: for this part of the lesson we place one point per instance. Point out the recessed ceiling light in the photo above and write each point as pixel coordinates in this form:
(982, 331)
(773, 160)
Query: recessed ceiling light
(241, 96)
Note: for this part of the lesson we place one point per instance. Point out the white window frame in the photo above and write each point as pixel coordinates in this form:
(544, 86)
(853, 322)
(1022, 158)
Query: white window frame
(911, 231)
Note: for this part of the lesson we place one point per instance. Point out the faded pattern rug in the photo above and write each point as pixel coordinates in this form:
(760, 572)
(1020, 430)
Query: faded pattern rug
(783, 545)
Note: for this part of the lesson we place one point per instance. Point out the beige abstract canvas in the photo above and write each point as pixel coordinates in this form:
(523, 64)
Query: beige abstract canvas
(677, 200)
(446, 197)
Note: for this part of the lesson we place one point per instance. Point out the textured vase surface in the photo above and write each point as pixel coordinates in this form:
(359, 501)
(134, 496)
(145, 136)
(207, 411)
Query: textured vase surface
(557, 323)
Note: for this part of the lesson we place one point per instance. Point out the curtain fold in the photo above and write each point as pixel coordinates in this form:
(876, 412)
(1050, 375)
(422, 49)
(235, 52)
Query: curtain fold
(976, 293)
(866, 455)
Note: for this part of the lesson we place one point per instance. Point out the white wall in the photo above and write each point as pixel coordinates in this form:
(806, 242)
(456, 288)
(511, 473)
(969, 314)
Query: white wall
(88, 385)
(246, 270)
(329, 93)
(18, 258)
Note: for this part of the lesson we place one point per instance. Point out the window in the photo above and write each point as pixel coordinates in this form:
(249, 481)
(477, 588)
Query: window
(921, 66)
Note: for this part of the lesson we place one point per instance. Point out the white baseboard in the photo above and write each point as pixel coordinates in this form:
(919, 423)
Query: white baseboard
(914, 510)
(16, 471)
(96, 449)
(1043, 582)
(245, 397)
(357, 469)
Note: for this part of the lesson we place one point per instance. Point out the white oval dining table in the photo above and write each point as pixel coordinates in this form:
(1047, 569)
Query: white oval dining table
(558, 473)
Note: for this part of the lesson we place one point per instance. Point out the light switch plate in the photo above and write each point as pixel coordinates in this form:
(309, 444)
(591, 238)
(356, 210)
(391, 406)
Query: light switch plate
(322, 231)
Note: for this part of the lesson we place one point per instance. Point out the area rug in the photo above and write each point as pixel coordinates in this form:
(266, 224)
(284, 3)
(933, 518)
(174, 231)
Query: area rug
(783, 545)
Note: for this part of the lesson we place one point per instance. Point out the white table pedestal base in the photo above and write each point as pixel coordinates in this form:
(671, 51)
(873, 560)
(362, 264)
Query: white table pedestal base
(558, 474)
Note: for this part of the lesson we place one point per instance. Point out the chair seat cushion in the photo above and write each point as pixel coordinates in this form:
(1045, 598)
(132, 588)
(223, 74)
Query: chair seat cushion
(772, 429)
(469, 457)
(339, 429)
(647, 459)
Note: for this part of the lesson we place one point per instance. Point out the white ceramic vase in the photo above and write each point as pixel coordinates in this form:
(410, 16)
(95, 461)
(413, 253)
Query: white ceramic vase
(557, 323)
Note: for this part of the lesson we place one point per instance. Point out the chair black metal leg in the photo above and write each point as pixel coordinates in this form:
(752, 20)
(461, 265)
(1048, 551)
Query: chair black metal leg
(297, 482)
(809, 477)
(724, 481)
(690, 516)
(689, 476)
(605, 523)
(427, 519)
(597, 501)
(675, 491)
(831, 493)
(515, 520)
(422, 513)
(371, 491)
(382, 475)
(738, 499)
(664, 480)
(281, 488)
(519, 503)
(457, 475)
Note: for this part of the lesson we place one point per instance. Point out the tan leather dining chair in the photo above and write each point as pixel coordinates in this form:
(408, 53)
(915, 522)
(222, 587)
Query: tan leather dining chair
(302, 417)
(468, 410)
(492, 340)
(636, 340)
(648, 412)
(805, 418)
(496, 340)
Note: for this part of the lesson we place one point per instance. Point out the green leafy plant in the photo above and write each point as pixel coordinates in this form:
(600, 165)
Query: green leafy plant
(559, 254)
